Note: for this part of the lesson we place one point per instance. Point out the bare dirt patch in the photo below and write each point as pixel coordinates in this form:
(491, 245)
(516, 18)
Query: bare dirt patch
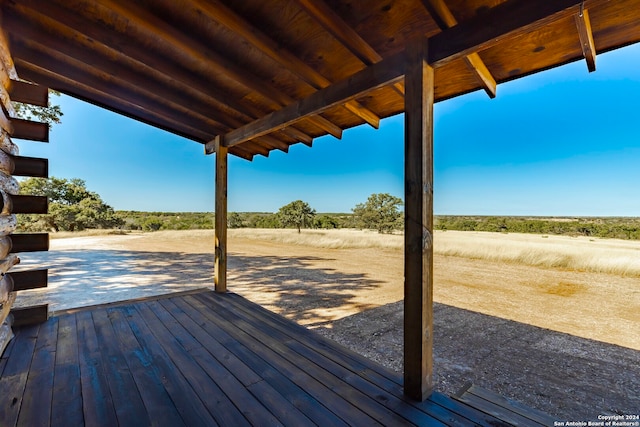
(562, 340)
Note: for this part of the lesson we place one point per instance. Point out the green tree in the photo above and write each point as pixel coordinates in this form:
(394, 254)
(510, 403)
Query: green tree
(152, 224)
(235, 220)
(71, 206)
(296, 214)
(380, 212)
(326, 222)
(50, 114)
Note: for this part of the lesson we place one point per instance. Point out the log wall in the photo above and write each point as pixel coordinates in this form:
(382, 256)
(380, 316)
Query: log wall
(11, 202)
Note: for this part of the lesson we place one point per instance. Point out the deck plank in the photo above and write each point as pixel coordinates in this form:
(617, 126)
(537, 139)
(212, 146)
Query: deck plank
(369, 399)
(186, 400)
(156, 400)
(236, 391)
(14, 376)
(268, 396)
(299, 397)
(219, 406)
(66, 405)
(209, 359)
(97, 404)
(505, 409)
(341, 400)
(124, 392)
(346, 363)
(36, 404)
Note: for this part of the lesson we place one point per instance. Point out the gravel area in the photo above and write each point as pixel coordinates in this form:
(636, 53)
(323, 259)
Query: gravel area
(568, 377)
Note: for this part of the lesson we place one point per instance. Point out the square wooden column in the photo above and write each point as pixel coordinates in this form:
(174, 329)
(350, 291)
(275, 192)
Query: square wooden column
(220, 277)
(418, 224)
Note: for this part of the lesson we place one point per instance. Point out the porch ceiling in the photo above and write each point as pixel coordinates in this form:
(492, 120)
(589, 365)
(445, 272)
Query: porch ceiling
(202, 68)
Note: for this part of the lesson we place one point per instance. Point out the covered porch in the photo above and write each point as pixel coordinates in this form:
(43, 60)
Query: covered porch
(206, 358)
(246, 79)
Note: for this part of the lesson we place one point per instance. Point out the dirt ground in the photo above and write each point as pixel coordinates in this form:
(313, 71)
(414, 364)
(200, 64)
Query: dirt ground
(565, 342)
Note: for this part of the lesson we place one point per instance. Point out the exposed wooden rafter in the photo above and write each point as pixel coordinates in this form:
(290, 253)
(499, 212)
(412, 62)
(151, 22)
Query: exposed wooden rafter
(72, 42)
(510, 19)
(334, 24)
(194, 56)
(586, 38)
(383, 73)
(104, 99)
(445, 19)
(225, 16)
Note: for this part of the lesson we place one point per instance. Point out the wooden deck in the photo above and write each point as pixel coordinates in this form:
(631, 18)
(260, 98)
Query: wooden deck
(202, 359)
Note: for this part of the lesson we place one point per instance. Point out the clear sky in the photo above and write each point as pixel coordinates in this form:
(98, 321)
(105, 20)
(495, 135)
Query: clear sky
(564, 142)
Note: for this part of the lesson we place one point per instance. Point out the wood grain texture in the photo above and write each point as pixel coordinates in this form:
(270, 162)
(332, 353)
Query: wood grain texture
(199, 68)
(202, 358)
(29, 93)
(380, 74)
(586, 38)
(220, 272)
(418, 224)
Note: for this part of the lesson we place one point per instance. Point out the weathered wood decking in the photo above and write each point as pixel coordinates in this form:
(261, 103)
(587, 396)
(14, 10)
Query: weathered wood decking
(201, 359)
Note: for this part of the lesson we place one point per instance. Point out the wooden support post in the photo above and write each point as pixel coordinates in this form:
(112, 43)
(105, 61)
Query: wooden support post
(418, 258)
(220, 277)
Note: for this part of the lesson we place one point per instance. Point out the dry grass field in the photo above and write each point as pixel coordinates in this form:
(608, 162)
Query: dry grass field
(545, 281)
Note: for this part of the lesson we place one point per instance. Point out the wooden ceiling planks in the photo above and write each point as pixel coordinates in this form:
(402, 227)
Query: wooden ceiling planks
(205, 68)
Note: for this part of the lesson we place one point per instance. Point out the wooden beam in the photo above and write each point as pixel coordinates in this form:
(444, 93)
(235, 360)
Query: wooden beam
(418, 240)
(220, 273)
(29, 242)
(586, 38)
(31, 279)
(445, 19)
(29, 93)
(373, 77)
(27, 129)
(30, 315)
(506, 20)
(23, 204)
(280, 54)
(30, 166)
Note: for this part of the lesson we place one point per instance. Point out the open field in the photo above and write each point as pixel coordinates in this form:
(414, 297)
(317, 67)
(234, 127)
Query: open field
(566, 310)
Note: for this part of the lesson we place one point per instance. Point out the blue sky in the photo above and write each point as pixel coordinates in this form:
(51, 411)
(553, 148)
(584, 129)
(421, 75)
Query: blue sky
(563, 142)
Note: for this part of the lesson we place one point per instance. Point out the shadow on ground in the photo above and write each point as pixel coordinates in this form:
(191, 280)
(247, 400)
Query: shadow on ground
(572, 378)
(297, 289)
(291, 286)
(79, 278)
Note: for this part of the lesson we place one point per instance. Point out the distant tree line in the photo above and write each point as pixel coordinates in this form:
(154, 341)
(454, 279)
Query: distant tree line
(72, 207)
(613, 228)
